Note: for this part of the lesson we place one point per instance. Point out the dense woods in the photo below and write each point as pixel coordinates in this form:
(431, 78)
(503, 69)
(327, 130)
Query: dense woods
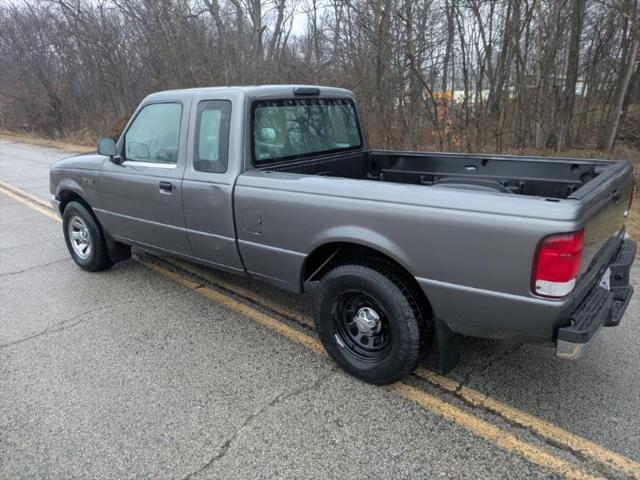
(492, 75)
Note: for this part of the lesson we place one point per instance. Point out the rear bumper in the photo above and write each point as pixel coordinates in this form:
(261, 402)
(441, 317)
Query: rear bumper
(602, 307)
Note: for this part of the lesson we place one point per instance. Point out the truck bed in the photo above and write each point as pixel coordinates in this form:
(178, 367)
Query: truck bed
(555, 178)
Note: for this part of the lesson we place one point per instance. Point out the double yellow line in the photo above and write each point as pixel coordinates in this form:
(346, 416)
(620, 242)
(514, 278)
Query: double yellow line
(28, 200)
(583, 448)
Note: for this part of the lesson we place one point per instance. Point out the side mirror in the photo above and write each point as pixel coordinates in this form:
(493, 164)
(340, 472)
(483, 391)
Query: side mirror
(106, 146)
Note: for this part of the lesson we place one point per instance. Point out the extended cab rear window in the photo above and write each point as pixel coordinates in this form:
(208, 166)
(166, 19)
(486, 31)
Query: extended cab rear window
(212, 136)
(297, 128)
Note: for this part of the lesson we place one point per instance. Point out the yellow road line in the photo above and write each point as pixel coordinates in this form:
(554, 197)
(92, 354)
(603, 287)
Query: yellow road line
(496, 435)
(24, 193)
(232, 304)
(23, 199)
(540, 427)
(492, 433)
(276, 307)
(483, 429)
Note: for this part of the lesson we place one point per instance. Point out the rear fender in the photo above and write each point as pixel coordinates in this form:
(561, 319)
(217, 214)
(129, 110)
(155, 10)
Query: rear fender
(366, 238)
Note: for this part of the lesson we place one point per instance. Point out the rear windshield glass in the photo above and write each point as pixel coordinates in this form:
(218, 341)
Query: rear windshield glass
(297, 128)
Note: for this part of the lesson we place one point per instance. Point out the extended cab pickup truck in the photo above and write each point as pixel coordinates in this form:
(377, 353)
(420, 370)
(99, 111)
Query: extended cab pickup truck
(277, 182)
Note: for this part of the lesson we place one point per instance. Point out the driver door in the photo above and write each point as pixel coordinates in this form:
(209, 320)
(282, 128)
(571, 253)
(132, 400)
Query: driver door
(142, 197)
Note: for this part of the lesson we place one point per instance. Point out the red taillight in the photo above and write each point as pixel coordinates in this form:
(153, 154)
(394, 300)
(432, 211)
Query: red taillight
(558, 264)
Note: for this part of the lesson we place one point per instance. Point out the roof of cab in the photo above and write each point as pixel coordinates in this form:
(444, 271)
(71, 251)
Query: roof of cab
(252, 91)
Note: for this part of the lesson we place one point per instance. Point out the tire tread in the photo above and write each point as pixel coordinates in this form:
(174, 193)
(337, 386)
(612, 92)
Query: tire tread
(99, 259)
(406, 356)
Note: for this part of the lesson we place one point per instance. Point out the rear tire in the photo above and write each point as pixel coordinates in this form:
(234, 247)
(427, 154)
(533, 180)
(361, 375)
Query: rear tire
(84, 238)
(368, 322)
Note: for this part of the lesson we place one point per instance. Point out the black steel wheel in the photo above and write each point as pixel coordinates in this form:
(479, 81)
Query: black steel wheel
(362, 326)
(368, 322)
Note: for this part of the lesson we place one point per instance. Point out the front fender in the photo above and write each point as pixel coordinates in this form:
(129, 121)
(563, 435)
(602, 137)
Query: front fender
(70, 185)
(80, 183)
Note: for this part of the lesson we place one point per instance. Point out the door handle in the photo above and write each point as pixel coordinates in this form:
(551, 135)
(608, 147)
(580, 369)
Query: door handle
(166, 187)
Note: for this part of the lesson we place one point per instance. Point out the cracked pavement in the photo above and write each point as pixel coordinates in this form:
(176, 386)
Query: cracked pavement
(282, 397)
(126, 374)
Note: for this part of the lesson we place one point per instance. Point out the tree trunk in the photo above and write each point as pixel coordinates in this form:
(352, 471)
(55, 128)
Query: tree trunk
(449, 48)
(621, 92)
(571, 77)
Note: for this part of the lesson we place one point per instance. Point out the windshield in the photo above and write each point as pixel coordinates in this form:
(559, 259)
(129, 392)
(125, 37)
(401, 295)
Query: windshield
(297, 128)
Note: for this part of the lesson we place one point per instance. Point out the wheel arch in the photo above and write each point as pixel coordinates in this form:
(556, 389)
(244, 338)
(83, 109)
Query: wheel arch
(117, 250)
(69, 194)
(331, 254)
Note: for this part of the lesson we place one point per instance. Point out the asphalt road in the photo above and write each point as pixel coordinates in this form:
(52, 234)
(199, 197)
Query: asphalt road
(133, 373)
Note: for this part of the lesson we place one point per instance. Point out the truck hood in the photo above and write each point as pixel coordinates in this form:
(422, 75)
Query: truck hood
(84, 161)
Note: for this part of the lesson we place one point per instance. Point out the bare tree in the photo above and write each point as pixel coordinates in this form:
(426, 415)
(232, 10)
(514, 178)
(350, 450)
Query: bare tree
(629, 60)
(571, 74)
(451, 74)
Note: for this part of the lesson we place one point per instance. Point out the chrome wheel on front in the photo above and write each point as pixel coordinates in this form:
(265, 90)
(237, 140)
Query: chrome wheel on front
(84, 238)
(80, 238)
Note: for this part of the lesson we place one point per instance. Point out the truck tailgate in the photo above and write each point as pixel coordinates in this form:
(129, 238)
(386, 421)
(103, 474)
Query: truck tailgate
(604, 206)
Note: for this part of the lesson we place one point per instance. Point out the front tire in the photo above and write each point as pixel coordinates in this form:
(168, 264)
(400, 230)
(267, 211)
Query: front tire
(368, 322)
(84, 238)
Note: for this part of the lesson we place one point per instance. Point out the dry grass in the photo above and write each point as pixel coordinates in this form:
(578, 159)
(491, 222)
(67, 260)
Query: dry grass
(65, 146)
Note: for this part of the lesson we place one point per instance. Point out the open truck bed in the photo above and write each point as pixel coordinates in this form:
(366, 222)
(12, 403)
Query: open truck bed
(480, 232)
(553, 178)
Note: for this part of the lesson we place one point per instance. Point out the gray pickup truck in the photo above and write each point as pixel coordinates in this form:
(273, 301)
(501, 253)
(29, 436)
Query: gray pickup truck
(277, 182)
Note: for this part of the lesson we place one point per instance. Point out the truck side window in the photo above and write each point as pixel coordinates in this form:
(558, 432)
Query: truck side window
(212, 136)
(153, 135)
